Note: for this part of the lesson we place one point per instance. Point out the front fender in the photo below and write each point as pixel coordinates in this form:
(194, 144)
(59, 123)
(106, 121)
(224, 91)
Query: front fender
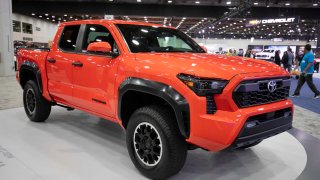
(163, 91)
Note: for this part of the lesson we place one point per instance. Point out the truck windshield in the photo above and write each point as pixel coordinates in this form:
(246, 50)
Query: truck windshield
(157, 39)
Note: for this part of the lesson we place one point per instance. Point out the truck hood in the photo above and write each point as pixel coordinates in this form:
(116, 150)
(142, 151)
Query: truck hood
(205, 65)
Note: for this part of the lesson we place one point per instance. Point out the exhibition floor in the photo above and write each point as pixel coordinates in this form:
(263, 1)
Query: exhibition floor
(75, 145)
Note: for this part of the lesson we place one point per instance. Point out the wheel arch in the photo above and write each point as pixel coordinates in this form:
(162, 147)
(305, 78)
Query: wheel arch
(30, 71)
(137, 92)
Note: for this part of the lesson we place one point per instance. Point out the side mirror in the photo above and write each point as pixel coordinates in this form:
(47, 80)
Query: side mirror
(99, 47)
(204, 48)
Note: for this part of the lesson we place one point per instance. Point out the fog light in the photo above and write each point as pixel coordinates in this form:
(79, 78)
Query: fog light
(251, 124)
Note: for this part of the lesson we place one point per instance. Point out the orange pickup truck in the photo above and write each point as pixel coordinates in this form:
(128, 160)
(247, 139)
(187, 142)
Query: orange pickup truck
(159, 85)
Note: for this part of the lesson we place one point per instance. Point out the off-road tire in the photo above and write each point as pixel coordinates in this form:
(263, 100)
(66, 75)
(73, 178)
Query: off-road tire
(40, 110)
(174, 146)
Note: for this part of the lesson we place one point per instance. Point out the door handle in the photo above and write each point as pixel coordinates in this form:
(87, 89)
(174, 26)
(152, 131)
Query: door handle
(51, 60)
(77, 64)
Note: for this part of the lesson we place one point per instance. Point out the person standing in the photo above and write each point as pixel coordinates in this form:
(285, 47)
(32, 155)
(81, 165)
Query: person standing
(307, 70)
(229, 53)
(277, 59)
(234, 53)
(290, 60)
(248, 53)
(287, 59)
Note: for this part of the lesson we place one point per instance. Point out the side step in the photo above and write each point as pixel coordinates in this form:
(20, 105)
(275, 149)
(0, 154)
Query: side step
(67, 107)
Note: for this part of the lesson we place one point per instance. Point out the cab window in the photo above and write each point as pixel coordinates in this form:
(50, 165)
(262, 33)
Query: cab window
(97, 33)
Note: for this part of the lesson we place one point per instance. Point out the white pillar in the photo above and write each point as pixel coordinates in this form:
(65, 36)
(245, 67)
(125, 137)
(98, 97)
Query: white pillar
(6, 43)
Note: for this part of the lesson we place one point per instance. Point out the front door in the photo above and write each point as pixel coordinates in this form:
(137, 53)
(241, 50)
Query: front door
(94, 74)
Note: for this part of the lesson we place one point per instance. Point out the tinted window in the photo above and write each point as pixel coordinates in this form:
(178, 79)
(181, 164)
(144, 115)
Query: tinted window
(97, 33)
(69, 37)
(157, 39)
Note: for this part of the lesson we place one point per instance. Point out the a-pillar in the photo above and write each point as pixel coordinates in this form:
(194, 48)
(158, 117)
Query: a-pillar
(6, 43)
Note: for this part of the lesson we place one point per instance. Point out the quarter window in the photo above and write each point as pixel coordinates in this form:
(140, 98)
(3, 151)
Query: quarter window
(69, 37)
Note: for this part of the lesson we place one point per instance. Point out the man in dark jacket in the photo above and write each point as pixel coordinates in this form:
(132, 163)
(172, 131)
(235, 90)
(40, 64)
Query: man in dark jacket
(287, 59)
(277, 59)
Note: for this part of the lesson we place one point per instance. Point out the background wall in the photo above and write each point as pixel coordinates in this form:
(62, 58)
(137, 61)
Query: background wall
(46, 33)
(214, 44)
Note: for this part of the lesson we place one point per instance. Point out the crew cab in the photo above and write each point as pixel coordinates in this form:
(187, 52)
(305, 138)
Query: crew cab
(160, 86)
(267, 54)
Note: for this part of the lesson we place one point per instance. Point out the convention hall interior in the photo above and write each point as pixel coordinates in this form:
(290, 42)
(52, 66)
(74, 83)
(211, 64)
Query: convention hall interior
(159, 89)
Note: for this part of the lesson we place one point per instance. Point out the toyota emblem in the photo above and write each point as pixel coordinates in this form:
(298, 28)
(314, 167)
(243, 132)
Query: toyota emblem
(272, 86)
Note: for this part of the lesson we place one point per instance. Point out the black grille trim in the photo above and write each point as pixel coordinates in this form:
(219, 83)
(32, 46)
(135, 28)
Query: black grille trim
(255, 92)
(211, 104)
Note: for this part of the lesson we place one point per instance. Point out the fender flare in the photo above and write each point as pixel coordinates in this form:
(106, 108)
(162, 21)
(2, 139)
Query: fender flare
(163, 91)
(33, 67)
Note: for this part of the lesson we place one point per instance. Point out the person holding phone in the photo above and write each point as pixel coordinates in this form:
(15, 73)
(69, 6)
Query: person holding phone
(307, 70)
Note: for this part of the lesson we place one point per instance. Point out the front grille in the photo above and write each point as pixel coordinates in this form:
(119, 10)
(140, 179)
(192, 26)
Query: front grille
(254, 93)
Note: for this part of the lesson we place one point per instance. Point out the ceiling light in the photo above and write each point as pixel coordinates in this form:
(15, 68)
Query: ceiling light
(228, 2)
(287, 4)
(110, 0)
(33, 14)
(138, 0)
(46, 14)
(65, 15)
(40, 16)
(197, 2)
(255, 3)
(315, 4)
(169, 1)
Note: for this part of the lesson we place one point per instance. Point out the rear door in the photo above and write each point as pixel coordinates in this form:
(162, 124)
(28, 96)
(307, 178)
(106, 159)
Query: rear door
(59, 64)
(94, 78)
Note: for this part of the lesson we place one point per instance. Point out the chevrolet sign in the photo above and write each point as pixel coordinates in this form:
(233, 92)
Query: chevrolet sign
(277, 21)
(273, 21)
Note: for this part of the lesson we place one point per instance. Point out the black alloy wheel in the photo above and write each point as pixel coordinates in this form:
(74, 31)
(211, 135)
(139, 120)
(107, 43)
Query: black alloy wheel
(147, 144)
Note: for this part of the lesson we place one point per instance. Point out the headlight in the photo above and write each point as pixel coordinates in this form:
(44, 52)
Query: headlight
(203, 86)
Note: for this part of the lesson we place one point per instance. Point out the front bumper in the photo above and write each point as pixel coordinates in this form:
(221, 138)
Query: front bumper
(232, 129)
(263, 126)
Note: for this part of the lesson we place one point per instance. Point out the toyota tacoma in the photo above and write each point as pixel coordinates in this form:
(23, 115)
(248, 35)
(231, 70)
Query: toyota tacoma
(160, 86)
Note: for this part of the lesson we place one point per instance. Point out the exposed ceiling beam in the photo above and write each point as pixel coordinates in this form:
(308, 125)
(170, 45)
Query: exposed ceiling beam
(101, 8)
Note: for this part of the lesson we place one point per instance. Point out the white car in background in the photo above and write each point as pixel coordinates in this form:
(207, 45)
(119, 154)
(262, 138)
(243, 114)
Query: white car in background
(267, 54)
